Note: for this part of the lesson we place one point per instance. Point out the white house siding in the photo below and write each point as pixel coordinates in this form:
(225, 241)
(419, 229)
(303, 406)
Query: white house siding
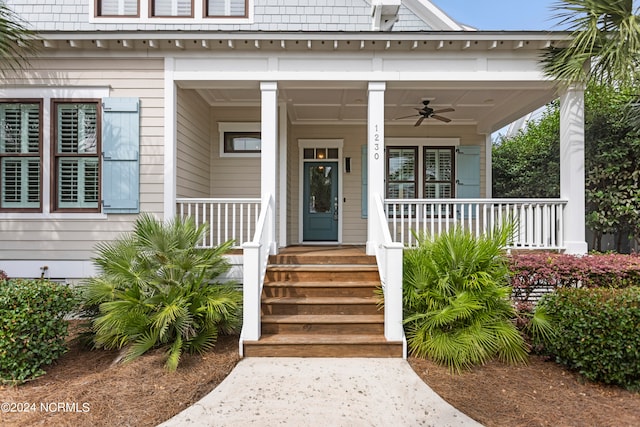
(193, 166)
(65, 242)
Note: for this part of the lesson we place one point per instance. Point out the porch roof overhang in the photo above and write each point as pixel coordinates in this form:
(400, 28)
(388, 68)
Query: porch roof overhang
(486, 100)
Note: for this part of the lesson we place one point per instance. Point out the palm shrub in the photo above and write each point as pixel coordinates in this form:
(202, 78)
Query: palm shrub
(157, 289)
(456, 300)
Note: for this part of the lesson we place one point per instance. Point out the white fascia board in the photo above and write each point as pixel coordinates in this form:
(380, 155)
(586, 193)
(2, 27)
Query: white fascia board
(304, 36)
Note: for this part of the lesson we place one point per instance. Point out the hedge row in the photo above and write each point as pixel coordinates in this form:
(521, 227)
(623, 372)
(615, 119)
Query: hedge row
(597, 333)
(32, 326)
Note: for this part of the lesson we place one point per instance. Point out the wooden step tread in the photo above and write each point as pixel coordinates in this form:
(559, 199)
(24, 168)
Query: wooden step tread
(325, 319)
(316, 267)
(295, 339)
(320, 300)
(336, 284)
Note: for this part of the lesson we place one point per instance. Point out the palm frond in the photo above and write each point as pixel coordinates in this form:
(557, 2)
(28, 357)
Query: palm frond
(141, 345)
(173, 355)
(17, 43)
(604, 44)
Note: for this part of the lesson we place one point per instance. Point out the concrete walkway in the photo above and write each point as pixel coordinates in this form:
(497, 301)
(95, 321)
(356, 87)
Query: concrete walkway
(321, 392)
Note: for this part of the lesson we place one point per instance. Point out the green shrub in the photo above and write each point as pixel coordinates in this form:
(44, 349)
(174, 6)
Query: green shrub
(32, 326)
(157, 289)
(456, 300)
(598, 333)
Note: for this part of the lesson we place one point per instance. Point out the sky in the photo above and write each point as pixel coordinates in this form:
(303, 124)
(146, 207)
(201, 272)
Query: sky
(501, 14)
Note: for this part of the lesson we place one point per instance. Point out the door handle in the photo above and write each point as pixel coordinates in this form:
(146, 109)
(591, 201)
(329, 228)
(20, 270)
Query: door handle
(335, 209)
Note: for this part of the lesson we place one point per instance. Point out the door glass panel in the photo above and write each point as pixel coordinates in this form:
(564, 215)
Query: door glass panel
(320, 189)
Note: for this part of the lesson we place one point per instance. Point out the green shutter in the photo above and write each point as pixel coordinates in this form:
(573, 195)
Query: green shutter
(365, 189)
(121, 155)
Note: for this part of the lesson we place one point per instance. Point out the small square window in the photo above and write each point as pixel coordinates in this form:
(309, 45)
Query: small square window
(226, 8)
(172, 8)
(309, 153)
(117, 8)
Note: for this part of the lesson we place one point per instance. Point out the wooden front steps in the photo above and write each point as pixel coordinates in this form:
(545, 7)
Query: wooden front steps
(321, 305)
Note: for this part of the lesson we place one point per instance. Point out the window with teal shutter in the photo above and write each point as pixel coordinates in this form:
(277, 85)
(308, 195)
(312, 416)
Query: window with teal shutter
(76, 148)
(20, 156)
(120, 157)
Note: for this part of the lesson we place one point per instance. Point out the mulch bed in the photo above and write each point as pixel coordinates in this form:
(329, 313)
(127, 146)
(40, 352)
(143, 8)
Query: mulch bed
(86, 388)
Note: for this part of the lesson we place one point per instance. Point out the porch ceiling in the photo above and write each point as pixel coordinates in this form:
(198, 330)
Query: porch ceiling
(487, 105)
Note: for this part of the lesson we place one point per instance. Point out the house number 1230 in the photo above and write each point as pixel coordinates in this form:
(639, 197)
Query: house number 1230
(376, 143)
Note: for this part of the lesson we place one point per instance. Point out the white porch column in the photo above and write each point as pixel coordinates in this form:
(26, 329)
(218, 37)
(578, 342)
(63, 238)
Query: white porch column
(488, 193)
(269, 154)
(572, 176)
(375, 157)
(170, 145)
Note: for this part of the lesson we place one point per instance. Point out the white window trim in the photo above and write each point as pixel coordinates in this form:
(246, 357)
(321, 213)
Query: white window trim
(236, 127)
(420, 143)
(199, 16)
(46, 94)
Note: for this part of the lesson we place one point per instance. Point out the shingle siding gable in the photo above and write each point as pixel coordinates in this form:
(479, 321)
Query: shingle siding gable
(269, 15)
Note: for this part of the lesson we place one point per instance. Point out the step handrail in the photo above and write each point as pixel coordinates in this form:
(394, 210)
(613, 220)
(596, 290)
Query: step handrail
(255, 260)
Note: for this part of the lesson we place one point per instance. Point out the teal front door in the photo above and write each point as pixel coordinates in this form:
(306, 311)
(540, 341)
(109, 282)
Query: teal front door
(320, 202)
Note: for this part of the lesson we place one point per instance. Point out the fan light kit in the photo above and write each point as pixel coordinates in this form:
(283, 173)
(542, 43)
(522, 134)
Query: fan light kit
(427, 112)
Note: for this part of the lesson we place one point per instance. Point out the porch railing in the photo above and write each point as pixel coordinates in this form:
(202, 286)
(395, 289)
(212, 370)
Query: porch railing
(228, 219)
(538, 222)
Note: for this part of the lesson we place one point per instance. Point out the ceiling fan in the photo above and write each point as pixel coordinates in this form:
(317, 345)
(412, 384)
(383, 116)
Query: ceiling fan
(427, 112)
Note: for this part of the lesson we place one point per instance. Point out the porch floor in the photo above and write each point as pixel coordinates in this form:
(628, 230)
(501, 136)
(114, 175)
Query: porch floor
(317, 250)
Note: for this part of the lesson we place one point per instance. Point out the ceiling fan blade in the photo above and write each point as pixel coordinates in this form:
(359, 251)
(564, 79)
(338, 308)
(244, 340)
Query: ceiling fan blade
(444, 110)
(419, 122)
(406, 117)
(442, 119)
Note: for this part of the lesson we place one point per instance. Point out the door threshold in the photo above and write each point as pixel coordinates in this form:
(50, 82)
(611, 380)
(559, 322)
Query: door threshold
(334, 243)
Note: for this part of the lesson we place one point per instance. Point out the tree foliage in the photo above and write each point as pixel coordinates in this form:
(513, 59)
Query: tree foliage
(527, 164)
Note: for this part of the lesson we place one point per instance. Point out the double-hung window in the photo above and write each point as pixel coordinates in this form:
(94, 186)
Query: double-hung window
(402, 177)
(117, 8)
(20, 155)
(225, 8)
(438, 173)
(172, 8)
(75, 154)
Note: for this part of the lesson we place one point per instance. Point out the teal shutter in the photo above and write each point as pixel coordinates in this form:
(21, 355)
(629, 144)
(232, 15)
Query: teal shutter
(468, 179)
(365, 189)
(121, 155)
